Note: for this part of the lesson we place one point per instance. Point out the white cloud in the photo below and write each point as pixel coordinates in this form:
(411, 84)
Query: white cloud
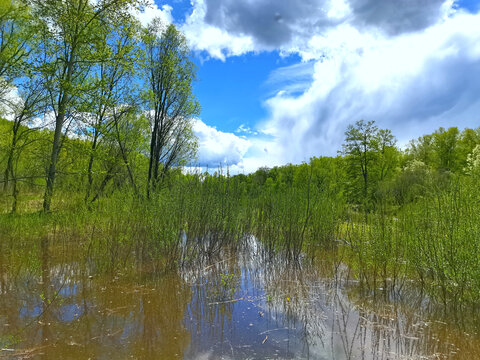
(219, 148)
(410, 66)
(411, 83)
(232, 27)
(217, 42)
(10, 100)
(246, 130)
(291, 79)
(264, 151)
(152, 11)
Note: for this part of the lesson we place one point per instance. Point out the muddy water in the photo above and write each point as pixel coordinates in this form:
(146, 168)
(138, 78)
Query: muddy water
(238, 304)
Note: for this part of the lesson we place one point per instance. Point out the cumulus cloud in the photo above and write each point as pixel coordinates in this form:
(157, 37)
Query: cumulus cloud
(218, 42)
(412, 84)
(412, 66)
(232, 27)
(217, 148)
(151, 11)
(399, 16)
(271, 23)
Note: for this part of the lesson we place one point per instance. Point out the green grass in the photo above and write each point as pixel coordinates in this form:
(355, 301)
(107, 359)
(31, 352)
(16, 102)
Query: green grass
(433, 240)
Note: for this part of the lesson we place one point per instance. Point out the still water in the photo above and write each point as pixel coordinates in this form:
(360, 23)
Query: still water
(239, 303)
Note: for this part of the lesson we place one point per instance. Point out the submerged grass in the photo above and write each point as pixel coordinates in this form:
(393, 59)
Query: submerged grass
(433, 240)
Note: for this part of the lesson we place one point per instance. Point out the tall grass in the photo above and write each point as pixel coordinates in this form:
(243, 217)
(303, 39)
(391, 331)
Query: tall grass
(433, 238)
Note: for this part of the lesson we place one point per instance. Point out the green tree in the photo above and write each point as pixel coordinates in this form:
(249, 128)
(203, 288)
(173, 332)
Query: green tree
(371, 157)
(445, 145)
(70, 40)
(387, 154)
(468, 140)
(171, 102)
(111, 90)
(24, 109)
(16, 31)
(131, 132)
(422, 150)
(473, 162)
(361, 144)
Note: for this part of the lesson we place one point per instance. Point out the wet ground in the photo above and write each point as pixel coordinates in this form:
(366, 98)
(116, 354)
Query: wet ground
(239, 303)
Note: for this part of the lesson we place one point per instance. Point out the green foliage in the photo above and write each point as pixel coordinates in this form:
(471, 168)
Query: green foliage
(445, 150)
(17, 28)
(473, 162)
(385, 214)
(445, 143)
(371, 158)
(169, 73)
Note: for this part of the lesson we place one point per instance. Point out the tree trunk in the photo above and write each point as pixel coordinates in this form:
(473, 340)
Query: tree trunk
(59, 121)
(125, 161)
(14, 194)
(9, 169)
(90, 167)
(104, 183)
(53, 159)
(152, 161)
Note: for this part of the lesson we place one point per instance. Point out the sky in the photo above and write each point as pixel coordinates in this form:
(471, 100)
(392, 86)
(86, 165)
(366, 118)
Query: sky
(280, 80)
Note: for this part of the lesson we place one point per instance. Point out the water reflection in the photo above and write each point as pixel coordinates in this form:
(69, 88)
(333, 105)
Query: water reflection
(60, 312)
(238, 302)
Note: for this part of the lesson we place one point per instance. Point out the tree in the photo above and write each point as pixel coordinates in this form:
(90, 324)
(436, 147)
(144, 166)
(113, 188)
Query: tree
(17, 29)
(70, 39)
(172, 104)
(445, 145)
(130, 132)
(422, 149)
(111, 91)
(361, 143)
(468, 140)
(473, 162)
(387, 153)
(24, 110)
(370, 156)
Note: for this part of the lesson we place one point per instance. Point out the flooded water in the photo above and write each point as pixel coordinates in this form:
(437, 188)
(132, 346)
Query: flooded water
(237, 304)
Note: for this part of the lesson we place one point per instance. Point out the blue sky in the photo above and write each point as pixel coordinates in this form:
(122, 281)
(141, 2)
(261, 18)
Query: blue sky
(280, 80)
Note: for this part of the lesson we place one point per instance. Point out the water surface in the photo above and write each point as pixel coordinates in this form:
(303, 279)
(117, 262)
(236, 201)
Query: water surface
(237, 303)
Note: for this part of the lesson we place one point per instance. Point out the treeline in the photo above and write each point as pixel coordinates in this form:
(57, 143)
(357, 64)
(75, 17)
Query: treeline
(370, 167)
(391, 215)
(88, 70)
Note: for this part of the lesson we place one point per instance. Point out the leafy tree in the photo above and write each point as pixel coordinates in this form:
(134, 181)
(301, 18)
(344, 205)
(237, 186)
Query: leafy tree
(361, 144)
(469, 139)
(71, 37)
(17, 28)
(473, 162)
(445, 145)
(131, 132)
(111, 90)
(370, 156)
(172, 104)
(387, 154)
(24, 110)
(328, 174)
(422, 150)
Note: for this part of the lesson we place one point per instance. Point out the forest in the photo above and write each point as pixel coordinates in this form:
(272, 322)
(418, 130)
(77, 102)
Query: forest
(97, 153)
